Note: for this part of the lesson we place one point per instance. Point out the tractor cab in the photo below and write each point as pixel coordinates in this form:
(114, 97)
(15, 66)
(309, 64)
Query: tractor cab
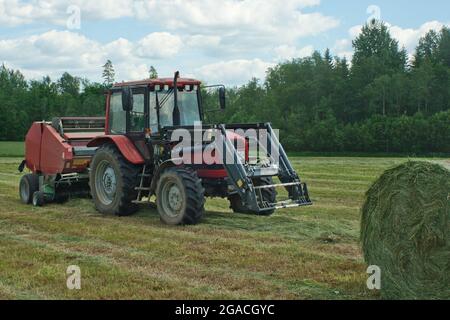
(154, 104)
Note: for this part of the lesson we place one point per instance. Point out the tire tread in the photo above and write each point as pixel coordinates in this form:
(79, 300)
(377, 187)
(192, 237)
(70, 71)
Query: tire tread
(129, 174)
(195, 194)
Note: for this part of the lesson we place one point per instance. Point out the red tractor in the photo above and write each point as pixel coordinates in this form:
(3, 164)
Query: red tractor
(127, 158)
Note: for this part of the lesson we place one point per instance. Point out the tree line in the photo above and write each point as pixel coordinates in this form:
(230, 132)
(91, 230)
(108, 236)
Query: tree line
(380, 101)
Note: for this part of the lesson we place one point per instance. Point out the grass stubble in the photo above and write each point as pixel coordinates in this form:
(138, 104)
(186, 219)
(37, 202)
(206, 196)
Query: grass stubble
(302, 253)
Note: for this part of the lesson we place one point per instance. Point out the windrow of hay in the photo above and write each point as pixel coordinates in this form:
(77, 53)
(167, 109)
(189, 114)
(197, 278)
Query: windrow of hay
(405, 230)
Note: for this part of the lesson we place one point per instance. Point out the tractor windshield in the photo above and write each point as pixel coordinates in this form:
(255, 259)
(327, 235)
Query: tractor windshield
(187, 104)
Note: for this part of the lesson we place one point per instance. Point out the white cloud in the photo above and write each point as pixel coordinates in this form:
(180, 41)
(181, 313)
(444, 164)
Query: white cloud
(19, 12)
(211, 14)
(203, 41)
(409, 38)
(243, 26)
(234, 71)
(51, 50)
(158, 45)
(343, 48)
(406, 37)
(120, 49)
(16, 12)
(56, 51)
(247, 21)
(101, 9)
(286, 52)
(229, 33)
(355, 31)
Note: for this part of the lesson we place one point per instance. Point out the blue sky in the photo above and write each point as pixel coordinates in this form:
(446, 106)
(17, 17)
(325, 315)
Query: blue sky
(226, 41)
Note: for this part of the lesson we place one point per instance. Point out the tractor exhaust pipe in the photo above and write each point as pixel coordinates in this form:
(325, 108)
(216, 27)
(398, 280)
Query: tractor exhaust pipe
(176, 110)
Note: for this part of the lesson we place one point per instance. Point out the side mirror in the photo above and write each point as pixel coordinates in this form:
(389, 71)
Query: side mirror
(127, 99)
(222, 99)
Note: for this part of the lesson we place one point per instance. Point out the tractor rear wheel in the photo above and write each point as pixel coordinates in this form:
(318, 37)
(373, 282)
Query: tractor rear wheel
(180, 196)
(113, 181)
(268, 195)
(28, 185)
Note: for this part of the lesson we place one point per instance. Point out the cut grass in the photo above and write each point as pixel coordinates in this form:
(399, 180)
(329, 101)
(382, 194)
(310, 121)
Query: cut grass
(302, 253)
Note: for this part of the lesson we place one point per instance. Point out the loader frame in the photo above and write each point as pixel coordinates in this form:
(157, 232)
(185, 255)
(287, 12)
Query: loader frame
(240, 174)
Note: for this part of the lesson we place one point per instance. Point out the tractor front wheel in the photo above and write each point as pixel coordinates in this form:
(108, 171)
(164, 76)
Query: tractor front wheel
(180, 196)
(113, 181)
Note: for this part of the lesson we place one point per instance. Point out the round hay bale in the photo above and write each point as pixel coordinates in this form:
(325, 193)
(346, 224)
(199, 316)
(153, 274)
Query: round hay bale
(405, 230)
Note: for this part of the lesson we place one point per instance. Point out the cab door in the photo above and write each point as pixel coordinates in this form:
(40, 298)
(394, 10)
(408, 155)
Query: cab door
(138, 120)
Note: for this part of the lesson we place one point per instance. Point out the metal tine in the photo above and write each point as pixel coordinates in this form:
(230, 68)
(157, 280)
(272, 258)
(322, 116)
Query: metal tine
(278, 185)
(290, 204)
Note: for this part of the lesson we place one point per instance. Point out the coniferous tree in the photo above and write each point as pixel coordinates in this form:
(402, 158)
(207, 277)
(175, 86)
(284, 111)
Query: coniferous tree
(108, 73)
(153, 74)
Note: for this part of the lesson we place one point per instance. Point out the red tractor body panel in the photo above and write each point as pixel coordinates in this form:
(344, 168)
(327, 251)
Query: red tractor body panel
(212, 174)
(124, 144)
(214, 168)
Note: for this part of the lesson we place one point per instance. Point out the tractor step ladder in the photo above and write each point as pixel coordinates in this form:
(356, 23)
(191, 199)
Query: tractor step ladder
(141, 188)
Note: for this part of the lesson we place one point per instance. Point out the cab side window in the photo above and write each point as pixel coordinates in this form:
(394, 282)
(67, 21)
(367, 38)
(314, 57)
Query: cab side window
(117, 117)
(153, 113)
(166, 111)
(137, 116)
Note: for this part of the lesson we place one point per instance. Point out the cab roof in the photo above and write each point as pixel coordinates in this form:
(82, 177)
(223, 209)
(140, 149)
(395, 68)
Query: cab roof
(160, 81)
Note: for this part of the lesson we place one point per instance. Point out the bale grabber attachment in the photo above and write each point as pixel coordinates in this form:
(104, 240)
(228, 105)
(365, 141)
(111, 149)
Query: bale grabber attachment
(267, 162)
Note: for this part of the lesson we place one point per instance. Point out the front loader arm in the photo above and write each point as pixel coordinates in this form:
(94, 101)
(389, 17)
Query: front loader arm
(241, 175)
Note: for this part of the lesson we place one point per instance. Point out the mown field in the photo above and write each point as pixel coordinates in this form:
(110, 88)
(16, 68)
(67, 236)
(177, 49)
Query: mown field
(304, 253)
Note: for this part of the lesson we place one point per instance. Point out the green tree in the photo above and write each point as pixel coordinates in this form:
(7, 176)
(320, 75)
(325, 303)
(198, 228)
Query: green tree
(108, 73)
(69, 84)
(153, 74)
(13, 104)
(444, 47)
(427, 50)
(376, 56)
(375, 43)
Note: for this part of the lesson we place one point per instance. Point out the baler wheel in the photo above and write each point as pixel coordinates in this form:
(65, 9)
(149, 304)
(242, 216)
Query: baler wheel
(113, 181)
(180, 197)
(38, 199)
(29, 184)
(269, 195)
